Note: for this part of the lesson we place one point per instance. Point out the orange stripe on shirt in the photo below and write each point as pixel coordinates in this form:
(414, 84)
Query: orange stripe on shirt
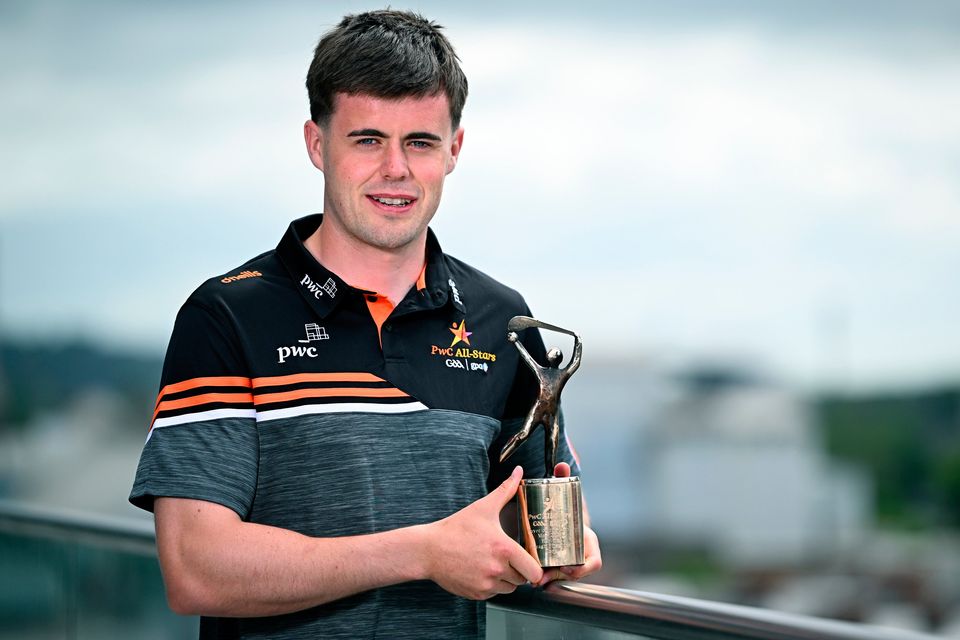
(203, 398)
(194, 383)
(295, 378)
(347, 392)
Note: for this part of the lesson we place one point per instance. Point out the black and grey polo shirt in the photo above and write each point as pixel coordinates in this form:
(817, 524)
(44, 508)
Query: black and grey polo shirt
(298, 401)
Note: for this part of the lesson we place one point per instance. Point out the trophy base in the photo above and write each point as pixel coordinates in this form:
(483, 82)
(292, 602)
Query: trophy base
(550, 514)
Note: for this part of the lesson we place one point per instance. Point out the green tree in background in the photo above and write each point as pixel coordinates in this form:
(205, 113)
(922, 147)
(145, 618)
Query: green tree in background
(911, 445)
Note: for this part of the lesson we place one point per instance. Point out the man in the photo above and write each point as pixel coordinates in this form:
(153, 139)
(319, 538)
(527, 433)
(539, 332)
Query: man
(331, 412)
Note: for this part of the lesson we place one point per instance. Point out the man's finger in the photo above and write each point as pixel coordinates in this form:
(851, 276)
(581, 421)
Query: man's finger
(507, 489)
(590, 566)
(526, 565)
(513, 576)
(505, 586)
(551, 575)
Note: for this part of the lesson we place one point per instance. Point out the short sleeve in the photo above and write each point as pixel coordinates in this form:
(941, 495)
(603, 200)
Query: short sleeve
(202, 442)
(524, 392)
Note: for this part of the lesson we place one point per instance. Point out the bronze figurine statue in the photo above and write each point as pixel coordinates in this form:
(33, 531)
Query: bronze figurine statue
(552, 379)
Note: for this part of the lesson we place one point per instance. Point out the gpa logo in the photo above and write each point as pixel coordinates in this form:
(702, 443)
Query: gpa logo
(314, 333)
(467, 365)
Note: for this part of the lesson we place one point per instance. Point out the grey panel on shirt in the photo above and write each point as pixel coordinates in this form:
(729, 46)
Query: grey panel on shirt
(212, 460)
(338, 474)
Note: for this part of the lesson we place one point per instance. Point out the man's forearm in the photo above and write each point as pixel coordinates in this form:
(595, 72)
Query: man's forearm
(216, 564)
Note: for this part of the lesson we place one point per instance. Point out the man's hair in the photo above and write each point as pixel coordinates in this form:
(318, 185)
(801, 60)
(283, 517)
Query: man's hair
(385, 54)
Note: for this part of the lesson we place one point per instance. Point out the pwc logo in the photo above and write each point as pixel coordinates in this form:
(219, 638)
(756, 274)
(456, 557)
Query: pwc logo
(329, 287)
(314, 333)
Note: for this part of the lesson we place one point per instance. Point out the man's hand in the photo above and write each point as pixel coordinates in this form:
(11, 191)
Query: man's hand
(471, 556)
(592, 561)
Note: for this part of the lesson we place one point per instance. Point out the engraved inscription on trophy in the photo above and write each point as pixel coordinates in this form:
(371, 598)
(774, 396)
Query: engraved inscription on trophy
(550, 509)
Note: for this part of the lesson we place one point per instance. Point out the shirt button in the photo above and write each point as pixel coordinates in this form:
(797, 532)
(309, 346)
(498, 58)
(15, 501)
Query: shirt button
(388, 327)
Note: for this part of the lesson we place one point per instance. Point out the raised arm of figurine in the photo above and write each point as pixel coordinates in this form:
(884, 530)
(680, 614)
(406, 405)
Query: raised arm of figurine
(574, 363)
(518, 323)
(551, 380)
(533, 364)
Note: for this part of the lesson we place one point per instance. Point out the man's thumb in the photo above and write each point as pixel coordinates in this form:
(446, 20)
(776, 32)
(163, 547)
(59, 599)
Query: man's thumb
(507, 489)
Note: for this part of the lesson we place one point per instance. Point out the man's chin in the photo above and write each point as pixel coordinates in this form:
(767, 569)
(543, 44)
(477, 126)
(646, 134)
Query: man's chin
(394, 242)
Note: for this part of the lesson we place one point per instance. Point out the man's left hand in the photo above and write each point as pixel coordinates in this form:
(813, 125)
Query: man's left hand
(592, 562)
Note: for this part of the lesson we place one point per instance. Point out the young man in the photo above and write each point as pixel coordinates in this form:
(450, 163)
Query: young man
(323, 456)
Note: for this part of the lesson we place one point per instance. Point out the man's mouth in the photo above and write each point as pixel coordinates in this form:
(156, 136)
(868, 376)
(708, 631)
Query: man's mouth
(391, 202)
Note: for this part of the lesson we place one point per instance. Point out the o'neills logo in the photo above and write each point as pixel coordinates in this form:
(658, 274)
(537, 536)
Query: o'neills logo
(463, 357)
(243, 275)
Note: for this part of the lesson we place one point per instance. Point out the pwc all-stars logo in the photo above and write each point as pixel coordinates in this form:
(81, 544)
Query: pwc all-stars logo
(461, 354)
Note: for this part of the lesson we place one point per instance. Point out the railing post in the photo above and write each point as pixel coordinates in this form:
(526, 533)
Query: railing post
(70, 585)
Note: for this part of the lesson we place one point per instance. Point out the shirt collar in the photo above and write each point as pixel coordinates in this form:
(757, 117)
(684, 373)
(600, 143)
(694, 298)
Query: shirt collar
(440, 286)
(320, 287)
(323, 289)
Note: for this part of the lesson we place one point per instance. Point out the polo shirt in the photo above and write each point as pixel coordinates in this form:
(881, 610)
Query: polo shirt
(295, 400)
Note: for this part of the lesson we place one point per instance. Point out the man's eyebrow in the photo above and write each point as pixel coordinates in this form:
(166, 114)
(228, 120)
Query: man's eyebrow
(423, 135)
(366, 133)
(376, 133)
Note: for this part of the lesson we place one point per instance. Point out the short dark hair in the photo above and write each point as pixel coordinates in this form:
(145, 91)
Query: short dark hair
(385, 54)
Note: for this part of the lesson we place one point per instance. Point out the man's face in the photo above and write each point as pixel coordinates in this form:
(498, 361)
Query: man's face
(384, 162)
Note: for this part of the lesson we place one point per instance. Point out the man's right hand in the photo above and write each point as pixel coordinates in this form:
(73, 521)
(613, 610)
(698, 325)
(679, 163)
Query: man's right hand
(471, 556)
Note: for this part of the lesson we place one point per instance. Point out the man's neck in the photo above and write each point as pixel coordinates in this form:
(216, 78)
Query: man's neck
(389, 273)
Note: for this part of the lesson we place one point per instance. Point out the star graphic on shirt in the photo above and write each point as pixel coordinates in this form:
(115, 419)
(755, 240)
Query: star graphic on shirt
(460, 334)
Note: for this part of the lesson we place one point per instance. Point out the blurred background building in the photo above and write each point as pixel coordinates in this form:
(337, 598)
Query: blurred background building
(758, 215)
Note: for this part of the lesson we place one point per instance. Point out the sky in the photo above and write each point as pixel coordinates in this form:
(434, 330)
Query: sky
(768, 184)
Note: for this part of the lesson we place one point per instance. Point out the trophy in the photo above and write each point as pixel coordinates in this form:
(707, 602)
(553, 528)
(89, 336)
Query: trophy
(550, 509)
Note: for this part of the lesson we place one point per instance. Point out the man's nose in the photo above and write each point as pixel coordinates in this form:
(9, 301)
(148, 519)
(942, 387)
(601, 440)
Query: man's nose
(395, 165)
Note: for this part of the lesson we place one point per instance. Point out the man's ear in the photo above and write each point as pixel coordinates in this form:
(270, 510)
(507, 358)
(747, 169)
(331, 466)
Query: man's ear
(313, 137)
(455, 147)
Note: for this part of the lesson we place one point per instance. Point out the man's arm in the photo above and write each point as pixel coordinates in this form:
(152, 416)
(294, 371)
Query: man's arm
(215, 564)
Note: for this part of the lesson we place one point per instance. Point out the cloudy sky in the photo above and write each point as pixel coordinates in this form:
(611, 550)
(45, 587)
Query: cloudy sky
(771, 184)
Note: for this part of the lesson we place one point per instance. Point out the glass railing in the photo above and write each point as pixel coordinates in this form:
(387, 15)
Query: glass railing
(78, 577)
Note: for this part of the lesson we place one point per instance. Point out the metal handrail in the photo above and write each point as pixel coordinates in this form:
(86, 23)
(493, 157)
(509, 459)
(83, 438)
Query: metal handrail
(652, 615)
(123, 534)
(677, 618)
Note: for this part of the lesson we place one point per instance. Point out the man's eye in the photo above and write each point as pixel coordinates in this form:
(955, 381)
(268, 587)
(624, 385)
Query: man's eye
(420, 144)
(366, 141)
